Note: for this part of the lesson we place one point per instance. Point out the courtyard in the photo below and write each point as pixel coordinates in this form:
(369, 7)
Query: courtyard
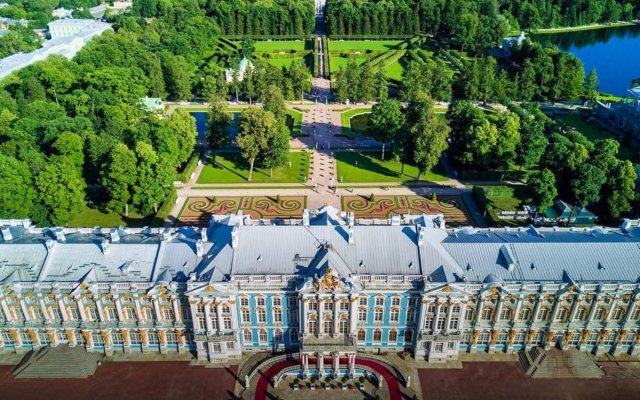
(383, 207)
(198, 210)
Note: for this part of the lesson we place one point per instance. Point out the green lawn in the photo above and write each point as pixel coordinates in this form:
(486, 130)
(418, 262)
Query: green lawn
(593, 132)
(336, 62)
(282, 62)
(394, 70)
(501, 198)
(232, 168)
(90, 217)
(363, 45)
(279, 45)
(367, 167)
(349, 117)
(294, 121)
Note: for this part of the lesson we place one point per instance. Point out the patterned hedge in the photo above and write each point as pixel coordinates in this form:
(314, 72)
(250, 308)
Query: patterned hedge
(198, 210)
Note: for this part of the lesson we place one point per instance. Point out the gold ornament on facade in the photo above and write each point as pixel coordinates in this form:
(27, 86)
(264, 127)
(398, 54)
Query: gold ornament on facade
(585, 334)
(549, 338)
(52, 335)
(106, 337)
(494, 336)
(34, 336)
(328, 281)
(162, 335)
(71, 337)
(512, 336)
(447, 289)
(145, 339)
(125, 336)
(569, 335)
(638, 337)
(87, 337)
(15, 335)
(530, 336)
(474, 337)
(210, 288)
(603, 336)
(622, 335)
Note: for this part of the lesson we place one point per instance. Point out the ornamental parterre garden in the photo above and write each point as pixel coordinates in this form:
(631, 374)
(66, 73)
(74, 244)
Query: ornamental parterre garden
(384, 207)
(198, 210)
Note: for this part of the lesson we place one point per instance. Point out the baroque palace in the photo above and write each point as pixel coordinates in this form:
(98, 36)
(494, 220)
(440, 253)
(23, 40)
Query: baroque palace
(327, 285)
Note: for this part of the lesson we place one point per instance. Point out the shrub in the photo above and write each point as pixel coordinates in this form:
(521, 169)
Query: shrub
(344, 379)
(361, 380)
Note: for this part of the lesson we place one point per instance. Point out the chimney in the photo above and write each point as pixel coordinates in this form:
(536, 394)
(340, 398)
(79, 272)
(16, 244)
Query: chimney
(234, 237)
(199, 248)
(6, 234)
(166, 234)
(305, 217)
(395, 220)
(104, 246)
(115, 236)
(60, 236)
(420, 236)
(203, 234)
(351, 236)
(50, 243)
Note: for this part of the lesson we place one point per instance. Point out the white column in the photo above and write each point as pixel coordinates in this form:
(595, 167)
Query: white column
(436, 317)
(424, 303)
(156, 307)
(234, 317)
(594, 307)
(176, 309)
(25, 310)
(303, 314)
(536, 309)
(516, 311)
(614, 304)
(353, 315)
(194, 316)
(449, 312)
(479, 306)
(207, 317)
(463, 312)
(336, 316)
(81, 309)
(136, 302)
(43, 307)
(121, 315)
(63, 310)
(574, 308)
(321, 317)
(99, 307)
(632, 305)
(496, 317)
(5, 309)
(320, 363)
(219, 317)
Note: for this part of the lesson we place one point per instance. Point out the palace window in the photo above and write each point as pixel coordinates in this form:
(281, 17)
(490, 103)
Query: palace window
(394, 315)
(74, 313)
(154, 339)
(148, 313)
(599, 314)
(111, 314)
(116, 338)
(610, 339)
(635, 314)
(244, 302)
(172, 338)
(362, 315)
(444, 309)
(431, 308)
(362, 335)
(581, 314)
(378, 315)
(393, 336)
(186, 312)
(313, 327)
(129, 314)
(247, 335)
(262, 337)
(226, 309)
(408, 336)
(377, 335)
(442, 320)
(411, 315)
(277, 301)
(277, 335)
(470, 314)
(344, 306)
(592, 338)
(214, 322)
(93, 314)
(262, 315)
(293, 316)
(395, 301)
(628, 339)
(362, 301)
(344, 327)
(520, 338)
(202, 323)
(44, 337)
(293, 334)
(227, 323)
(260, 301)
(97, 339)
(487, 314)
(245, 315)
(562, 315)
(217, 348)
(277, 315)
(135, 337)
(7, 338)
(483, 338)
(168, 314)
(26, 338)
(54, 314)
(379, 301)
(413, 301)
(61, 336)
(328, 305)
(505, 314)
(455, 309)
(292, 301)
(575, 339)
(454, 323)
(200, 308)
(313, 305)
(543, 314)
(501, 338)
(525, 314)
(466, 338)
(617, 314)
(428, 322)
(328, 327)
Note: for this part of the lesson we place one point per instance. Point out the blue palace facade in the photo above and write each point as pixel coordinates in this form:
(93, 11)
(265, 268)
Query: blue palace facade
(326, 285)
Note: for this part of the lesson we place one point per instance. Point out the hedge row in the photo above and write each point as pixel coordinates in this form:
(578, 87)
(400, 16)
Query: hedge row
(292, 54)
(316, 51)
(167, 206)
(270, 37)
(189, 167)
(510, 175)
(370, 37)
(327, 64)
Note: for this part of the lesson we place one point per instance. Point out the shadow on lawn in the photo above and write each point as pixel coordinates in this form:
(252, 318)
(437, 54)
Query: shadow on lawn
(239, 164)
(367, 162)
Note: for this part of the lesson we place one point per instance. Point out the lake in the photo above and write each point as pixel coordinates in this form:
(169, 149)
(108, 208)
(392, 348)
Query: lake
(613, 52)
(201, 124)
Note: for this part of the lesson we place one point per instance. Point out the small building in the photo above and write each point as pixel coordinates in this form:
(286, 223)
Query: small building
(563, 213)
(70, 27)
(508, 43)
(152, 104)
(243, 66)
(98, 11)
(624, 115)
(119, 7)
(62, 13)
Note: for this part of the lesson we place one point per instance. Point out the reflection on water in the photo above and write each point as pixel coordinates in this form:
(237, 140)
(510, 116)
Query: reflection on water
(201, 124)
(613, 52)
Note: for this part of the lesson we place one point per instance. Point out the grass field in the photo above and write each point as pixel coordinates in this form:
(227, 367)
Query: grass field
(279, 45)
(367, 167)
(350, 116)
(337, 62)
(593, 132)
(282, 62)
(395, 69)
(90, 217)
(363, 45)
(495, 199)
(294, 121)
(232, 168)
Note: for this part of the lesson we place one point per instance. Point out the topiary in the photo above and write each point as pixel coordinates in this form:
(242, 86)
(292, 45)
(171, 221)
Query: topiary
(434, 197)
(344, 379)
(361, 380)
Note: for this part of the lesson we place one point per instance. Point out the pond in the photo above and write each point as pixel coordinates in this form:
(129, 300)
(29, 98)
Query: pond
(613, 52)
(201, 124)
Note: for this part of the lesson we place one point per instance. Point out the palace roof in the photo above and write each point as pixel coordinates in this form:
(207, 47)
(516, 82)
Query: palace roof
(237, 246)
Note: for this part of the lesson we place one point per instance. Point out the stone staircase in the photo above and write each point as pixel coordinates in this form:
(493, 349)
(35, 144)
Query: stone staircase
(539, 363)
(58, 362)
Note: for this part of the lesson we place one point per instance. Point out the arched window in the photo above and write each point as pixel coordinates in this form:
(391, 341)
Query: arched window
(505, 314)
(262, 337)
(393, 335)
(408, 336)
(247, 336)
(377, 335)
(277, 315)
(168, 314)
(262, 315)
(617, 314)
(599, 314)
(525, 314)
(148, 313)
(411, 315)
(293, 335)
(362, 335)
(277, 335)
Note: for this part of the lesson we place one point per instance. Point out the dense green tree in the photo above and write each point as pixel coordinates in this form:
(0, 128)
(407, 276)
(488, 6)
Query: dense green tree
(591, 85)
(71, 146)
(386, 122)
(153, 179)
(218, 120)
(257, 128)
(176, 73)
(119, 178)
(620, 189)
(61, 191)
(427, 132)
(543, 189)
(586, 184)
(183, 126)
(17, 193)
(273, 100)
